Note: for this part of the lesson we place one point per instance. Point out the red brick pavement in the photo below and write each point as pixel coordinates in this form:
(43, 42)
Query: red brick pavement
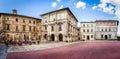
(84, 50)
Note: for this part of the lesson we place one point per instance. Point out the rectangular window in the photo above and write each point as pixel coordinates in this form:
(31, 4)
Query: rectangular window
(83, 30)
(106, 30)
(34, 28)
(33, 22)
(29, 21)
(45, 27)
(87, 30)
(83, 36)
(83, 25)
(23, 21)
(91, 36)
(54, 19)
(101, 35)
(23, 27)
(60, 27)
(91, 30)
(29, 28)
(7, 27)
(16, 28)
(109, 35)
(52, 28)
(7, 19)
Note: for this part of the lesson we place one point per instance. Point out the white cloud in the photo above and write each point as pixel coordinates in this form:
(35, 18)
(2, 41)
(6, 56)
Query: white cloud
(54, 4)
(80, 4)
(94, 7)
(61, 7)
(109, 9)
(58, 0)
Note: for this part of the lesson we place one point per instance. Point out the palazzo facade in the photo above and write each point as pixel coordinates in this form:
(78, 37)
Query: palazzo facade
(99, 30)
(19, 27)
(59, 25)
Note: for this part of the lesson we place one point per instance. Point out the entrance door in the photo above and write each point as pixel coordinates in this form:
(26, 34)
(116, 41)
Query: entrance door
(106, 37)
(88, 38)
(52, 37)
(60, 37)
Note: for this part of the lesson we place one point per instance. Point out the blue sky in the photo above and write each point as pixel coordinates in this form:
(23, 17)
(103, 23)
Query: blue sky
(84, 10)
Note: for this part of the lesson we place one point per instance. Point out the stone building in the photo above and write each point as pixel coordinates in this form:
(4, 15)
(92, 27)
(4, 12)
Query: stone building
(59, 25)
(98, 30)
(79, 34)
(106, 29)
(19, 27)
(87, 30)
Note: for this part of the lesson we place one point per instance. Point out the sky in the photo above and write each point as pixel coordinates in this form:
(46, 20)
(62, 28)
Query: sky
(84, 10)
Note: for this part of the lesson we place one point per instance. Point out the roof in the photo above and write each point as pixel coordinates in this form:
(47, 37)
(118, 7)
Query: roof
(106, 20)
(60, 10)
(20, 15)
(88, 22)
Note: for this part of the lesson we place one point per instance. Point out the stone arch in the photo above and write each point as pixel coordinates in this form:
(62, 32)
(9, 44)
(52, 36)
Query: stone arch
(60, 37)
(106, 37)
(52, 37)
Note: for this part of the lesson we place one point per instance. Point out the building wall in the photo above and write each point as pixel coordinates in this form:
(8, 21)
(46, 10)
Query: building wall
(87, 30)
(106, 30)
(58, 19)
(14, 28)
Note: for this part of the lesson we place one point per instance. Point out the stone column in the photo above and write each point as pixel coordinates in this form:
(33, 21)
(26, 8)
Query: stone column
(29, 35)
(48, 38)
(13, 36)
(64, 38)
(22, 36)
(56, 38)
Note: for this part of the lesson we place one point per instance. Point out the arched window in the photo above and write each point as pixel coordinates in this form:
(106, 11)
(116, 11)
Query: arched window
(52, 28)
(60, 27)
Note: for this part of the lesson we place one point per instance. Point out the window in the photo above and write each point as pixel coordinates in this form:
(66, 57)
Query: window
(45, 27)
(29, 21)
(91, 25)
(83, 30)
(54, 19)
(16, 28)
(23, 27)
(87, 30)
(16, 20)
(23, 21)
(34, 28)
(7, 27)
(106, 30)
(91, 36)
(83, 25)
(87, 25)
(101, 29)
(91, 30)
(52, 28)
(60, 27)
(101, 35)
(109, 29)
(109, 35)
(7, 19)
(29, 28)
(33, 22)
(83, 36)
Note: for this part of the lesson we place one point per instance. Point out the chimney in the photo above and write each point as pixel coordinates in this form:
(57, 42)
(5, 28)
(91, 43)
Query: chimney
(14, 12)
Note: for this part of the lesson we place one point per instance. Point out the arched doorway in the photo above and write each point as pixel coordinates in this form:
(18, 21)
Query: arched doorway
(52, 37)
(60, 37)
(106, 37)
(88, 38)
